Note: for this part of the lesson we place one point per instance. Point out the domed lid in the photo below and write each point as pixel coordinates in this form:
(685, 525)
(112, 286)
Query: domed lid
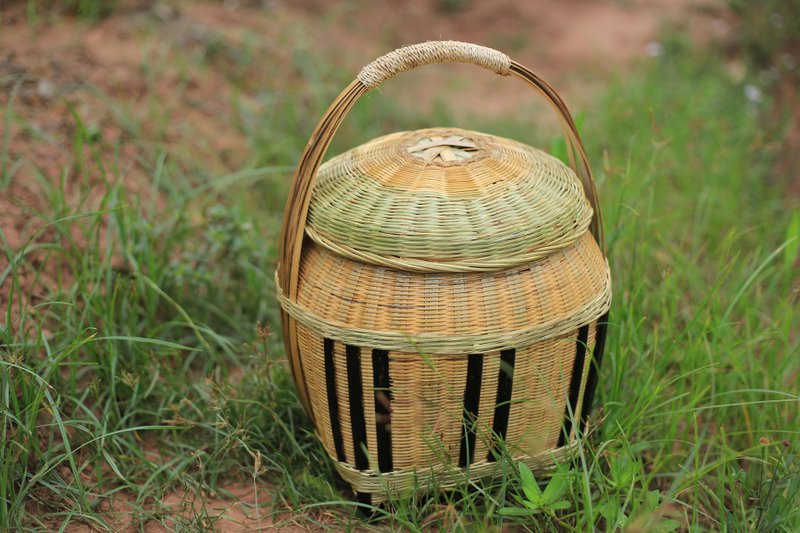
(445, 199)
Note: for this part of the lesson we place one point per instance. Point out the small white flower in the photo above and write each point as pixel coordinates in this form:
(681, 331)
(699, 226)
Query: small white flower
(654, 49)
(753, 93)
(45, 88)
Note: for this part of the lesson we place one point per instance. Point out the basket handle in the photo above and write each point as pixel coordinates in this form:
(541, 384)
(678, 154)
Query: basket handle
(370, 77)
(430, 53)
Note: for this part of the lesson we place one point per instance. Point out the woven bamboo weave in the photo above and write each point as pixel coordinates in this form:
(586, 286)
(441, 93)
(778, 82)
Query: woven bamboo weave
(444, 292)
(507, 205)
(360, 304)
(427, 421)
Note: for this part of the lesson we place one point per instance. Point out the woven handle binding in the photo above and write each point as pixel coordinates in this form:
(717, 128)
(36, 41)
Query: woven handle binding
(431, 53)
(380, 70)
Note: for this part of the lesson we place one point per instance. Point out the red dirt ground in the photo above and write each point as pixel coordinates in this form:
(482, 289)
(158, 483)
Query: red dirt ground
(140, 53)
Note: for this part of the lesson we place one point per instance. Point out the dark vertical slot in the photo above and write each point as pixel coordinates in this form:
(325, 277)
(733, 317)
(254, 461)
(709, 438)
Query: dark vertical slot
(574, 384)
(502, 405)
(355, 389)
(366, 499)
(333, 400)
(383, 408)
(594, 370)
(472, 399)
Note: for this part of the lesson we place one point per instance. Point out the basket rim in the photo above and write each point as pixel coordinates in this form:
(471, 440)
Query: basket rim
(450, 345)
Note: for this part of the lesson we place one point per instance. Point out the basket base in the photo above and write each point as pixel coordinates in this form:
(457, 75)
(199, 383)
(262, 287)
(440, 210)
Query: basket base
(372, 487)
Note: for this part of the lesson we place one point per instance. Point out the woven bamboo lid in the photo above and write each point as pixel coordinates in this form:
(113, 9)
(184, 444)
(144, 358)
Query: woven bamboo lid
(446, 200)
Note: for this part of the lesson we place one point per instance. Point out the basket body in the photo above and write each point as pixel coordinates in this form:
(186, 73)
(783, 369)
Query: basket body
(450, 297)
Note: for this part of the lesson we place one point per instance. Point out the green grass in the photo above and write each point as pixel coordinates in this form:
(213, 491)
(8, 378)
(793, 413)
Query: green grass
(90, 10)
(149, 374)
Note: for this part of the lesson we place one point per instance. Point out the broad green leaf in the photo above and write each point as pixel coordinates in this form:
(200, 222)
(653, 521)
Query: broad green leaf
(560, 504)
(608, 511)
(652, 499)
(558, 485)
(529, 485)
(668, 525)
(514, 511)
(534, 505)
(525, 474)
(623, 470)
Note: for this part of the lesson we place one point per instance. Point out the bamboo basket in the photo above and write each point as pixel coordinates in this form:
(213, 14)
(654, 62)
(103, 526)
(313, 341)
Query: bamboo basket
(443, 292)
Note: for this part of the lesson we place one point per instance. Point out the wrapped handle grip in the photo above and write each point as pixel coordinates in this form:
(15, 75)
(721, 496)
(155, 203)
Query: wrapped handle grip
(430, 53)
